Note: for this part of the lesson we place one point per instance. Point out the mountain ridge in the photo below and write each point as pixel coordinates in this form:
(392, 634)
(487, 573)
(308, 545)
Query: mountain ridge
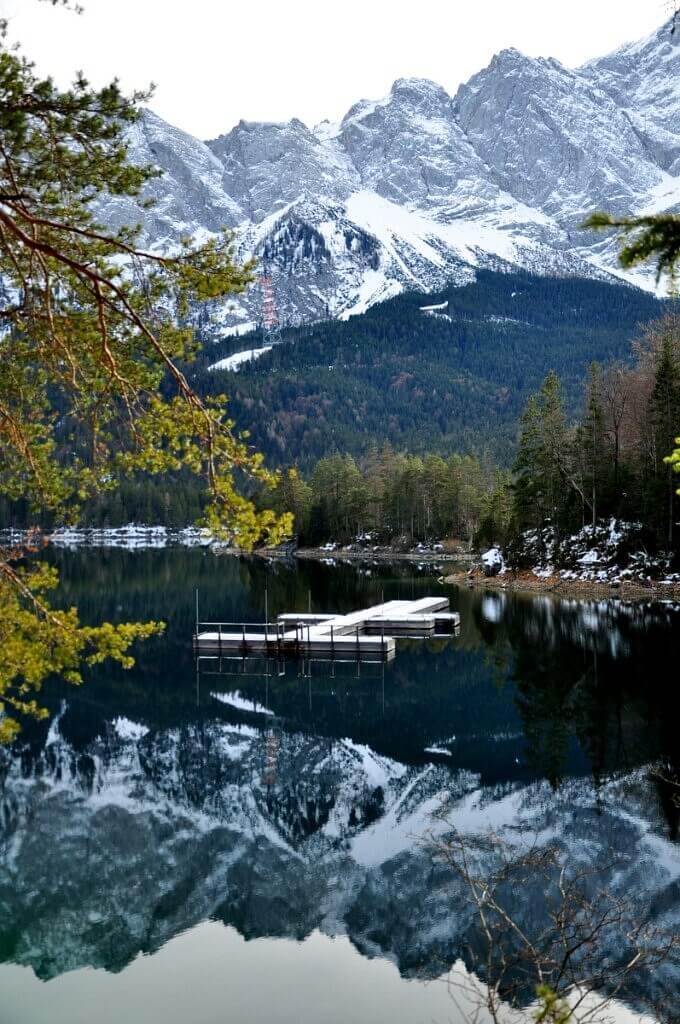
(421, 188)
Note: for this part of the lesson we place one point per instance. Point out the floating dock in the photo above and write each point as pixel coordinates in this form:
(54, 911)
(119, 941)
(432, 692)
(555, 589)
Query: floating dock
(360, 634)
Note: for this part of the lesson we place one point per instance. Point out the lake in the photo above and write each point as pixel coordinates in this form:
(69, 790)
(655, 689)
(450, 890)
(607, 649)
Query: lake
(242, 840)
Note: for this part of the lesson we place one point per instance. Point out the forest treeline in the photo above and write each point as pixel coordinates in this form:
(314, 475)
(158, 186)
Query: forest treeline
(447, 372)
(613, 460)
(568, 471)
(609, 461)
(392, 497)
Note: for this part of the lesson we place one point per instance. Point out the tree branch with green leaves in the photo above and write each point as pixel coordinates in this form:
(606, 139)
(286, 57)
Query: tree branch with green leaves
(93, 345)
(651, 238)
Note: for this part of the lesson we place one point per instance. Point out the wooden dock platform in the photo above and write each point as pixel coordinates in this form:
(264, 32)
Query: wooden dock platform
(363, 633)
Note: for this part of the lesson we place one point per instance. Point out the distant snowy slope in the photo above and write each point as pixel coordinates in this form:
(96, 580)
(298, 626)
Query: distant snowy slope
(643, 79)
(233, 362)
(420, 188)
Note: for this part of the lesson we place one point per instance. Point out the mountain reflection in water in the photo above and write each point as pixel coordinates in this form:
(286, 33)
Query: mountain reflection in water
(289, 804)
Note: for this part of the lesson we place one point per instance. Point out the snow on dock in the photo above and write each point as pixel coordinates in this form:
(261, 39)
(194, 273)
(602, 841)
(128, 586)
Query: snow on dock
(363, 633)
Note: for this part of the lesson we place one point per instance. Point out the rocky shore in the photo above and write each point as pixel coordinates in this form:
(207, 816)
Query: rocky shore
(527, 582)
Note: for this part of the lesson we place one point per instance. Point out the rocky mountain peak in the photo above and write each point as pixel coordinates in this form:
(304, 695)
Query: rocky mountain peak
(426, 185)
(643, 78)
(420, 92)
(552, 140)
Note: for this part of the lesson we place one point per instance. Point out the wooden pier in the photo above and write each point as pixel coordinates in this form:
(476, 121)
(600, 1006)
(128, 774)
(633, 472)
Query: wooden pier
(365, 633)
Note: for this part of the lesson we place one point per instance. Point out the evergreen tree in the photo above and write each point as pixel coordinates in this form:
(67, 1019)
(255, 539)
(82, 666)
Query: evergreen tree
(294, 495)
(528, 469)
(546, 471)
(591, 442)
(663, 418)
(496, 512)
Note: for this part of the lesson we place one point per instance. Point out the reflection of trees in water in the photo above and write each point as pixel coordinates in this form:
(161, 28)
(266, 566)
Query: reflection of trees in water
(666, 776)
(592, 672)
(576, 940)
(590, 677)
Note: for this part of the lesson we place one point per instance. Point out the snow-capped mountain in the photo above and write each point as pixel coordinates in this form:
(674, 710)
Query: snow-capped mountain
(420, 188)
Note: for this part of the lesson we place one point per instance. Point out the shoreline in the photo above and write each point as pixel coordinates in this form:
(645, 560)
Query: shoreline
(423, 557)
(527, 583)
(465, 565)
(515, 582)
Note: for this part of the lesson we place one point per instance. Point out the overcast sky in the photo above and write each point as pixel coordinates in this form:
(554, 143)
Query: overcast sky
(217, 61)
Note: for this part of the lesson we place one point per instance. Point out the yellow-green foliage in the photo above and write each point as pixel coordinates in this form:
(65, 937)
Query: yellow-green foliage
(94, 325)
(552, 1009)
(37, 641)
(674, 459)
(94, 339)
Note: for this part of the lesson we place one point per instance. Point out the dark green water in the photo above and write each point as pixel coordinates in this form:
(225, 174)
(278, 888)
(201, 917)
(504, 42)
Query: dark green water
(287, 805)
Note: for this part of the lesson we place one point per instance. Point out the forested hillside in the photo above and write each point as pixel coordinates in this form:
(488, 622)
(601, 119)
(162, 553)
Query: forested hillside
(447, 374)
(448, 379)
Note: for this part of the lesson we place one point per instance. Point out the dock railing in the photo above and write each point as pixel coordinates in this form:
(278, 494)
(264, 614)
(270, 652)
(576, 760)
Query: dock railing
(267, 629)
(273, 632)
(282, 636)
(226, 627)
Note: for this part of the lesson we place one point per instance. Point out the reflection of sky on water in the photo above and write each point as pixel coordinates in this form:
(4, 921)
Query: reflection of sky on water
(212, 974)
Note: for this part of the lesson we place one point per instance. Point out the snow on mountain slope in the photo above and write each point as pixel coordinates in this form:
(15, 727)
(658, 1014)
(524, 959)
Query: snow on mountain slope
(237, 359)
(643, 79)
(554, 141)
(189, 197)
(419, 188)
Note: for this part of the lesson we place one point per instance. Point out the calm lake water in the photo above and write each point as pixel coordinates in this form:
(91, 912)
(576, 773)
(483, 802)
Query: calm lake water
(247, 841)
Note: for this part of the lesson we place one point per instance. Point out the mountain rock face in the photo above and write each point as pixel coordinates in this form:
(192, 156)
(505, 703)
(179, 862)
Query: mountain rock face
(278, 833)
(420, 188)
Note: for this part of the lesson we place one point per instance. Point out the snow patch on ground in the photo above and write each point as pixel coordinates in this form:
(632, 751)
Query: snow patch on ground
(611, 551)
(235, 361)
(493, 562)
